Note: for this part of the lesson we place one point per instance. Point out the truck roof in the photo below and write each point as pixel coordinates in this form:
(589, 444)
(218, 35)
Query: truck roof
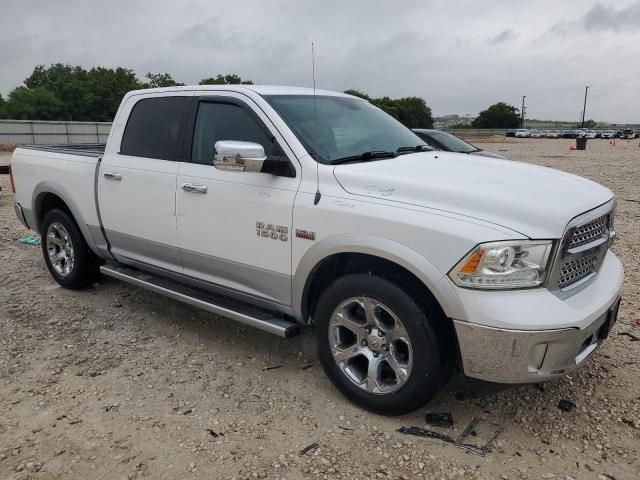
(259, 89)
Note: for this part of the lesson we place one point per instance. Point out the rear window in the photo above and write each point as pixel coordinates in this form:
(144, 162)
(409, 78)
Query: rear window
(155, 128)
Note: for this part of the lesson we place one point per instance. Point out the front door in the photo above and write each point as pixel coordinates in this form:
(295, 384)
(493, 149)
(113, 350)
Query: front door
(137, 181)
(234, 228)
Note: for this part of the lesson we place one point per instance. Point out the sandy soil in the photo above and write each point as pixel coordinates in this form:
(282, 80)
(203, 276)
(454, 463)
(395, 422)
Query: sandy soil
(117, 383)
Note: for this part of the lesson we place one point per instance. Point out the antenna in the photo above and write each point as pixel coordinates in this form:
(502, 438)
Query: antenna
(316, 200)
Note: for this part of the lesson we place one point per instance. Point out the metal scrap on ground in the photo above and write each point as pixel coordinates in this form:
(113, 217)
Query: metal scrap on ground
(484, 446)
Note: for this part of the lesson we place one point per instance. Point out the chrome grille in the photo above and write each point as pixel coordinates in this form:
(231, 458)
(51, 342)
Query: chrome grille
(582, 250)
(589, 232)
(575, 270)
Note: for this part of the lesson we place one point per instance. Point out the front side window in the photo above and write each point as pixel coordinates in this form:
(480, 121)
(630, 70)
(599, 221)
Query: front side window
(334, 128)
(225, 121)
(155, 128)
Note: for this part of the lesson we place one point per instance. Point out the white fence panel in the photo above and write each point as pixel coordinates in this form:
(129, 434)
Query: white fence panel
(27, 132)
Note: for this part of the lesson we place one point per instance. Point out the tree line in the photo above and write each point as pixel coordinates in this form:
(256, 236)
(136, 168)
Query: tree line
(66, 92)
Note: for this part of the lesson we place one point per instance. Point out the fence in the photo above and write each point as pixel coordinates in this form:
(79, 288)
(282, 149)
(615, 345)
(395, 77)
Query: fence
(37, 132)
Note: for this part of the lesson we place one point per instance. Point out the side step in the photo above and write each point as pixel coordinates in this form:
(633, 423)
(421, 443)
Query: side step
(227, 307)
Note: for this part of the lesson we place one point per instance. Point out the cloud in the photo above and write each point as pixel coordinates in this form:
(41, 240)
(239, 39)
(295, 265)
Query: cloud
(504, 36)
(602, 19)
(460, 56)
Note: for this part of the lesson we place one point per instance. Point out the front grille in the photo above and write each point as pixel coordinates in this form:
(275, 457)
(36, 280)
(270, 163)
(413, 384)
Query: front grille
(582, 250)
(575, 270)
(589, 232)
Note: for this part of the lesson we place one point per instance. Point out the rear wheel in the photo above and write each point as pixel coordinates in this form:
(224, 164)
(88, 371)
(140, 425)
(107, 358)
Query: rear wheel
(69, 260)
(377, 344)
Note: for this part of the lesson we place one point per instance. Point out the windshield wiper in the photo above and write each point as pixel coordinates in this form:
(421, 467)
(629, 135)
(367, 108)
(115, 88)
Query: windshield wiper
(417, 148)
(366, 156)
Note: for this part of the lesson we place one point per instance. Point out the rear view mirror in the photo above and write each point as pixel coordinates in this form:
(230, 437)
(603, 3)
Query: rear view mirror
(238, 156)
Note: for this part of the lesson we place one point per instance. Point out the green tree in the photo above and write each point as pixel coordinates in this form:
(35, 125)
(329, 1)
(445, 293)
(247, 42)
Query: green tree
(157, 80)
(92, 95)
(498, 115)
(103, 92)
(2, 107)
(413, 112)
(33, 103)
(229, 79)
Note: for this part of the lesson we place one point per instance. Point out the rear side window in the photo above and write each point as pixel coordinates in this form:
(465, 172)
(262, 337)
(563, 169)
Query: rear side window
(225, 121)
(155, 128)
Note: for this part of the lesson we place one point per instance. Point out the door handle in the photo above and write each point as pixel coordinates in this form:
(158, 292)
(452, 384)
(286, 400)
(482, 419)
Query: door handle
(194, 188)
(113, 176)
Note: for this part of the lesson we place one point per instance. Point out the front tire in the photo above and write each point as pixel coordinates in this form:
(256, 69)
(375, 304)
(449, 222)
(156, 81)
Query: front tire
(69, 260)
(378, 345)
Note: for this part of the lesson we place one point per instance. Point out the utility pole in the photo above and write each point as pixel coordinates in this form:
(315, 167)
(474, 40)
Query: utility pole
(522, 112)
(584, 108)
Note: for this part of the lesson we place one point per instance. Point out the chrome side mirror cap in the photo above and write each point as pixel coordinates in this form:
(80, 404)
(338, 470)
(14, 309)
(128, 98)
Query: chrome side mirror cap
(238, 156)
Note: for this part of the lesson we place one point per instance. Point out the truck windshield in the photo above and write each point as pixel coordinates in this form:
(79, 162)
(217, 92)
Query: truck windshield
(453, 143)
(334, 128)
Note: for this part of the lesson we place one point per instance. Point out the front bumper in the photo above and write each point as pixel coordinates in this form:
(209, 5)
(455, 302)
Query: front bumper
(514, 351)
(521, 356)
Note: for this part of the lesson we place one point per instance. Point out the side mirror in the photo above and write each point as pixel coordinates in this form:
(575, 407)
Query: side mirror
(238, 156)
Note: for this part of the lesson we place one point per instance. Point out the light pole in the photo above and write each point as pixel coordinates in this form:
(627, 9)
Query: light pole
(584, 108)
(522, 112)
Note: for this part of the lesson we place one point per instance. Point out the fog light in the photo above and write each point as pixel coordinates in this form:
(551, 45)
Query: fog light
(536, 357)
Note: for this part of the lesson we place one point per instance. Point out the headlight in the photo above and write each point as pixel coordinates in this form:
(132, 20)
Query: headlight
(504, 265)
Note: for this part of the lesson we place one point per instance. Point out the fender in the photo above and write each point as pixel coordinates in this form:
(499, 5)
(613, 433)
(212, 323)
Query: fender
(383, 248)
(50, 186)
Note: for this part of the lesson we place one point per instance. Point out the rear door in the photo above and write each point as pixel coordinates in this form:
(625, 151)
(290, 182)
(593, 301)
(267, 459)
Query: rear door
(234, 228)
(137, 180)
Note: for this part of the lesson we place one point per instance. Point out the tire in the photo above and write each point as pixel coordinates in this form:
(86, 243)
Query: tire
(399, 322)
(69, 260)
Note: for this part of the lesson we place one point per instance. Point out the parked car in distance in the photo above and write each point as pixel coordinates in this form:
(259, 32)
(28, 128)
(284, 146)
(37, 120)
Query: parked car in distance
(552, 134)
(589, 134)
(450, 143)
(536, 133)
(510, 133)
(627, 134)
(608, 134)
(283, 207)
(522, 133)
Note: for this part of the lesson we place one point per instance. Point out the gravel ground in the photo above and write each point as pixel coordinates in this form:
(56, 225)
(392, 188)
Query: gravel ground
(118, 383)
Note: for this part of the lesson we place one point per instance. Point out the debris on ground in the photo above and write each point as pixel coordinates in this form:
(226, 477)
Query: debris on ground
(633, 337)
(480, 446)
(306, 367)
(444, 420)
(566, 405)
(308, 448)
(214, 434)
(271, 368)
(32, 240)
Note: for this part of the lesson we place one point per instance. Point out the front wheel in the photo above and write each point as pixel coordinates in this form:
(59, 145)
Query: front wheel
(377, 344)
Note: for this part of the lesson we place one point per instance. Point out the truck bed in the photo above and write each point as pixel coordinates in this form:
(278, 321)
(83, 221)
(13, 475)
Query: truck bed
(85, 149)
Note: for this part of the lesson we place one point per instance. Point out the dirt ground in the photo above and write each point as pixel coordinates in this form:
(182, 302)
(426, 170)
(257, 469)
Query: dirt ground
(118, 383)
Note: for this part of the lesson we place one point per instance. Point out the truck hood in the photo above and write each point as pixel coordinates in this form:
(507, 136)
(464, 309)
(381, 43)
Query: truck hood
(535, 201)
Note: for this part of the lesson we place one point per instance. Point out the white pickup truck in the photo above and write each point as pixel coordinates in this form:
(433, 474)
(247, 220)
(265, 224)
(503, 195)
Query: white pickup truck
(282, 207)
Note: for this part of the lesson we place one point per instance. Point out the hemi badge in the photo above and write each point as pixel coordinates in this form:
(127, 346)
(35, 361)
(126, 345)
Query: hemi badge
(305, 234)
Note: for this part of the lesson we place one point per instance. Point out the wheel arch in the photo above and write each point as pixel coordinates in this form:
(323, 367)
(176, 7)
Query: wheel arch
(346, 253)
(49, 195)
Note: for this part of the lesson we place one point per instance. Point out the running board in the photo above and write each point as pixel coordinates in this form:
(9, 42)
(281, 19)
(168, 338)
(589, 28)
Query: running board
(227, 307)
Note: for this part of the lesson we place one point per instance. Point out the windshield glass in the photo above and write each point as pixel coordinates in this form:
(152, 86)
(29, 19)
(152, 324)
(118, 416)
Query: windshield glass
(333, 128)
(452, 143)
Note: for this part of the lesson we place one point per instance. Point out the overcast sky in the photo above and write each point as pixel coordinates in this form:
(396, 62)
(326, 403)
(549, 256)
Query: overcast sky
(460, 56)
